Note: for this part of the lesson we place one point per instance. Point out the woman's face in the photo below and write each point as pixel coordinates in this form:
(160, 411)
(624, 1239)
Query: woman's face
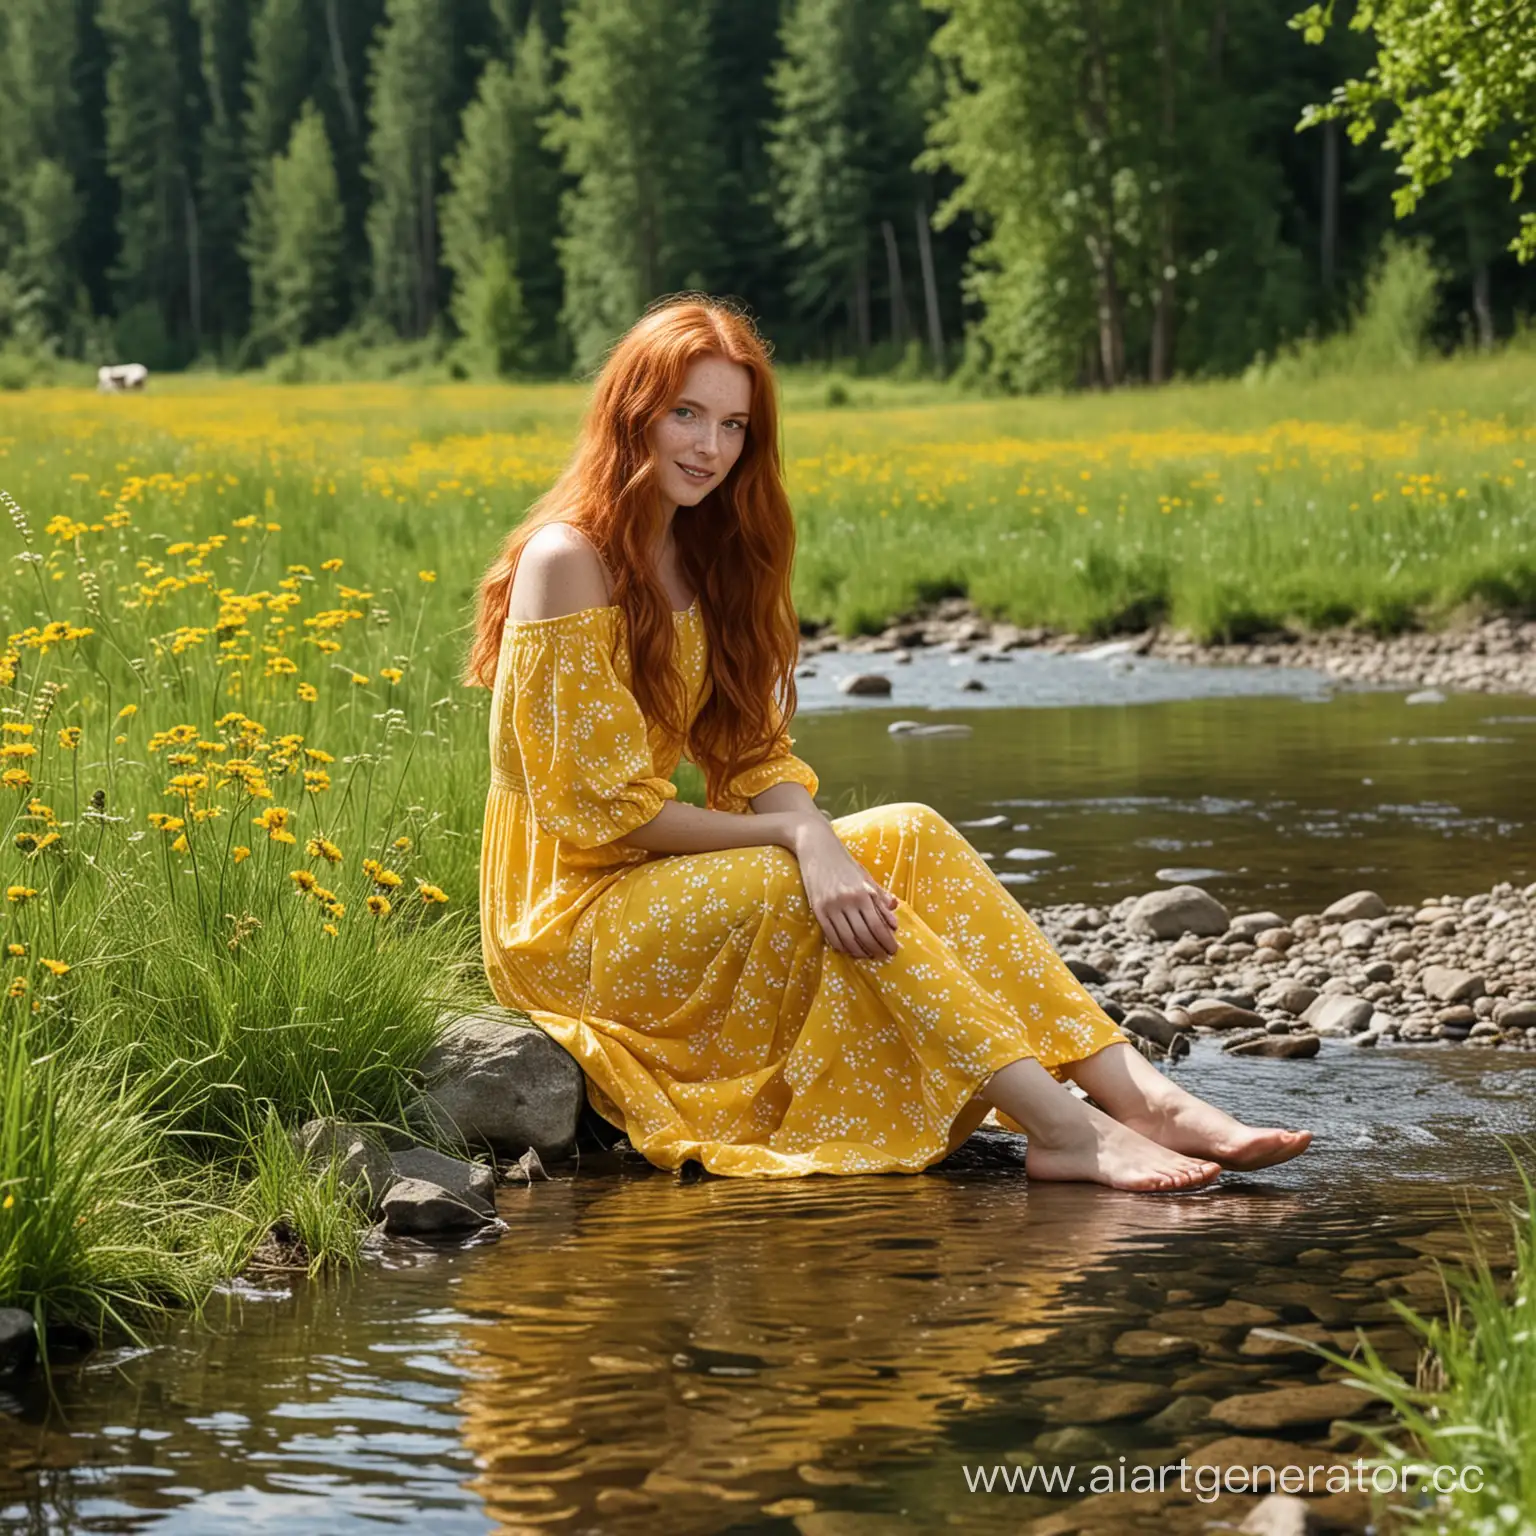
(703, 430)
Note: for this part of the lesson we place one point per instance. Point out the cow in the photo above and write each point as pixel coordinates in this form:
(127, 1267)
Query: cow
(114, 378)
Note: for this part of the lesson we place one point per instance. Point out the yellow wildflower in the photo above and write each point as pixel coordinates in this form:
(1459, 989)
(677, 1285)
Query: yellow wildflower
(379, 905)
(58, 967)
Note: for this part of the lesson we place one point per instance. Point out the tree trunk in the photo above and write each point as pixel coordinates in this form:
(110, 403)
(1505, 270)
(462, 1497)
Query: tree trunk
(1328, 255)
(1482, 306)
(861, 325)
(339, 68)
(194, 267)
(897, 287)
(1101, 240)
(930, 287)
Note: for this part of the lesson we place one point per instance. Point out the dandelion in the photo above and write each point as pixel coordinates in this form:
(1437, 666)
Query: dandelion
(17, 950)
(359, 678)
(330, 928)
(58, 967)
(127, 710)
(427, 575)
(431, 892)
(308, 692)
(323, 848)
(316, 780)
(239, 853)
(16, 778)
(7, 1203)
(379, 905)
(181, 845)
(402, 843)
(18, 987)
(391, 674)
(305, 880)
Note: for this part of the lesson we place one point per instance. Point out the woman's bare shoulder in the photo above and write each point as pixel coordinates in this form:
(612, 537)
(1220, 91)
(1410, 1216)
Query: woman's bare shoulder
(558, 572)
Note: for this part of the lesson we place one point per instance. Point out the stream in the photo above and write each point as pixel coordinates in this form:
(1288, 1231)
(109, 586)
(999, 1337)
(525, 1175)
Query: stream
(641, 1352)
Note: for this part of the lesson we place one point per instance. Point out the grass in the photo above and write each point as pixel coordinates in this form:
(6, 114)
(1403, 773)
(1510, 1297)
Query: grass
(241, 788)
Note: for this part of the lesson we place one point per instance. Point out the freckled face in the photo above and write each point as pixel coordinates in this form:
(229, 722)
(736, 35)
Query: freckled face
(700, 435)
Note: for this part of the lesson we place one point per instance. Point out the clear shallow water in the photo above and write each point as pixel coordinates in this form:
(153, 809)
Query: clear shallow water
(1290, 801)
(641, 1354)
(826, 1356)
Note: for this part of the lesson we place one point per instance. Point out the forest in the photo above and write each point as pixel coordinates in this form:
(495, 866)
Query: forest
(1034, 194)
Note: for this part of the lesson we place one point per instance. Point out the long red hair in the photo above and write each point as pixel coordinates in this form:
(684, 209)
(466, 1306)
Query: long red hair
(737, 546)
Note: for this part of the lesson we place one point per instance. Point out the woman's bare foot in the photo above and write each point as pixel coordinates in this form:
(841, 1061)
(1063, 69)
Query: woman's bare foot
(1127, 1086)
(1199, 1129)
(1099, 1150)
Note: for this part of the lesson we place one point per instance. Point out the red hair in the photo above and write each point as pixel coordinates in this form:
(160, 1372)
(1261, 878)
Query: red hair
(737, 546)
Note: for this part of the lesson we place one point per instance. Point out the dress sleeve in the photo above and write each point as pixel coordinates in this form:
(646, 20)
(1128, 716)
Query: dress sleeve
(583, 742)
(781, 767)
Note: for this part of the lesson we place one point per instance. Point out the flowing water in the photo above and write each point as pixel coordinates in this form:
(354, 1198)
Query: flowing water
(642, 1352)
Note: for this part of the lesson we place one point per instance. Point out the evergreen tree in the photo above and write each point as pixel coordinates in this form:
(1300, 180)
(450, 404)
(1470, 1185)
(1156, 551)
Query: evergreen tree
(847, 131)
(223, 177)
(157, 272)
(296, 274)
(40, 205)
(411, 82)
(638, 134)
(504, 197)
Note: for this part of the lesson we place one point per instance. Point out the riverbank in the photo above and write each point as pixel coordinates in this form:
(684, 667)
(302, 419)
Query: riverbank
(1175, 963)
(1488, 655)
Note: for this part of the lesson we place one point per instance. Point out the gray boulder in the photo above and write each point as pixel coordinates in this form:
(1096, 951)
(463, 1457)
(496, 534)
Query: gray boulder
(1151, 1025)
(360, 1150)
(1281, 1047)
(1339, 1014)
(1249, 925)
(495, 1083)
(473, 1183)
(419, 1208)
(18, 1341)
(1179, 910)
(1359, 906)
(1444, 984)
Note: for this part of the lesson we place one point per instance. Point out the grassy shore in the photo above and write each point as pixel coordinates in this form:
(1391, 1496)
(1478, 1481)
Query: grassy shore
(242, 789)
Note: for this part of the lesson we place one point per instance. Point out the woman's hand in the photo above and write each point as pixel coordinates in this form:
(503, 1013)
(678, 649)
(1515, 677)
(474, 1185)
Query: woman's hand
(857, 914)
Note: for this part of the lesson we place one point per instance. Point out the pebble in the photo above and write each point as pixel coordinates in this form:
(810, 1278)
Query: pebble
(1492, 656)
(1413, 974)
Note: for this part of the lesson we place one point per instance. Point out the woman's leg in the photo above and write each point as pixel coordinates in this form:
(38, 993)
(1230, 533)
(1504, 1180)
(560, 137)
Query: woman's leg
(1126, 1085)
(1071, 1140)
(914, 851)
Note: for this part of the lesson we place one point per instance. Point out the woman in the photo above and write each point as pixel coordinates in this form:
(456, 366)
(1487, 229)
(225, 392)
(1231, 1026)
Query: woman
(750, 984)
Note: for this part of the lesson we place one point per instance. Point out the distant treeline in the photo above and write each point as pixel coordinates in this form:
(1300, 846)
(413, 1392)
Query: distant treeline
(1043, 192)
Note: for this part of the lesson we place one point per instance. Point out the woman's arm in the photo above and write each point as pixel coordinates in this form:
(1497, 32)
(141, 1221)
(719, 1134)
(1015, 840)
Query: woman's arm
(857, 915)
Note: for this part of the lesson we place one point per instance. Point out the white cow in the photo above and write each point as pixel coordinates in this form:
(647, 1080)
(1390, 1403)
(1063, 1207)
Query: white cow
(114, 378)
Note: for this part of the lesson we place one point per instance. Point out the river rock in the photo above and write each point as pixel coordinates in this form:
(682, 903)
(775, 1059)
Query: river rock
(1249, 925)
(1361, 905)
(502, 1085)
(1095, 1400)
(1216, 1013)
(473, 1183)
(420, 1208)
(1290, 997)
(1445, 985)
(1280, 1514)
(1339, 1014)
(363, 1159)
(18, 1341)
(865, 683)
(1151, 1025)
(1089, 975)
(1294, 1047)
(1182, 909)
(1515, 1015)
(1360, 934)
(1293, 1407)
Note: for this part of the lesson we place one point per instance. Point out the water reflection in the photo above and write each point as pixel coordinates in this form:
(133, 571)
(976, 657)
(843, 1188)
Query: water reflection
(1293, 804)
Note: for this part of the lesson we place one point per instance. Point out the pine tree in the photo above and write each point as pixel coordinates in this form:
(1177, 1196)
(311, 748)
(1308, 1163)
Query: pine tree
(223, 177)
(638, 136)
(848, 127)
(157, 271)
(504, 196)
(296, 274)
(40, 141)
(410, 84)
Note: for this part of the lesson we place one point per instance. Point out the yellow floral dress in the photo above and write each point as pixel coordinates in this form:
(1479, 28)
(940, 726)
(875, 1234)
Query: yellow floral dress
(697, 992)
